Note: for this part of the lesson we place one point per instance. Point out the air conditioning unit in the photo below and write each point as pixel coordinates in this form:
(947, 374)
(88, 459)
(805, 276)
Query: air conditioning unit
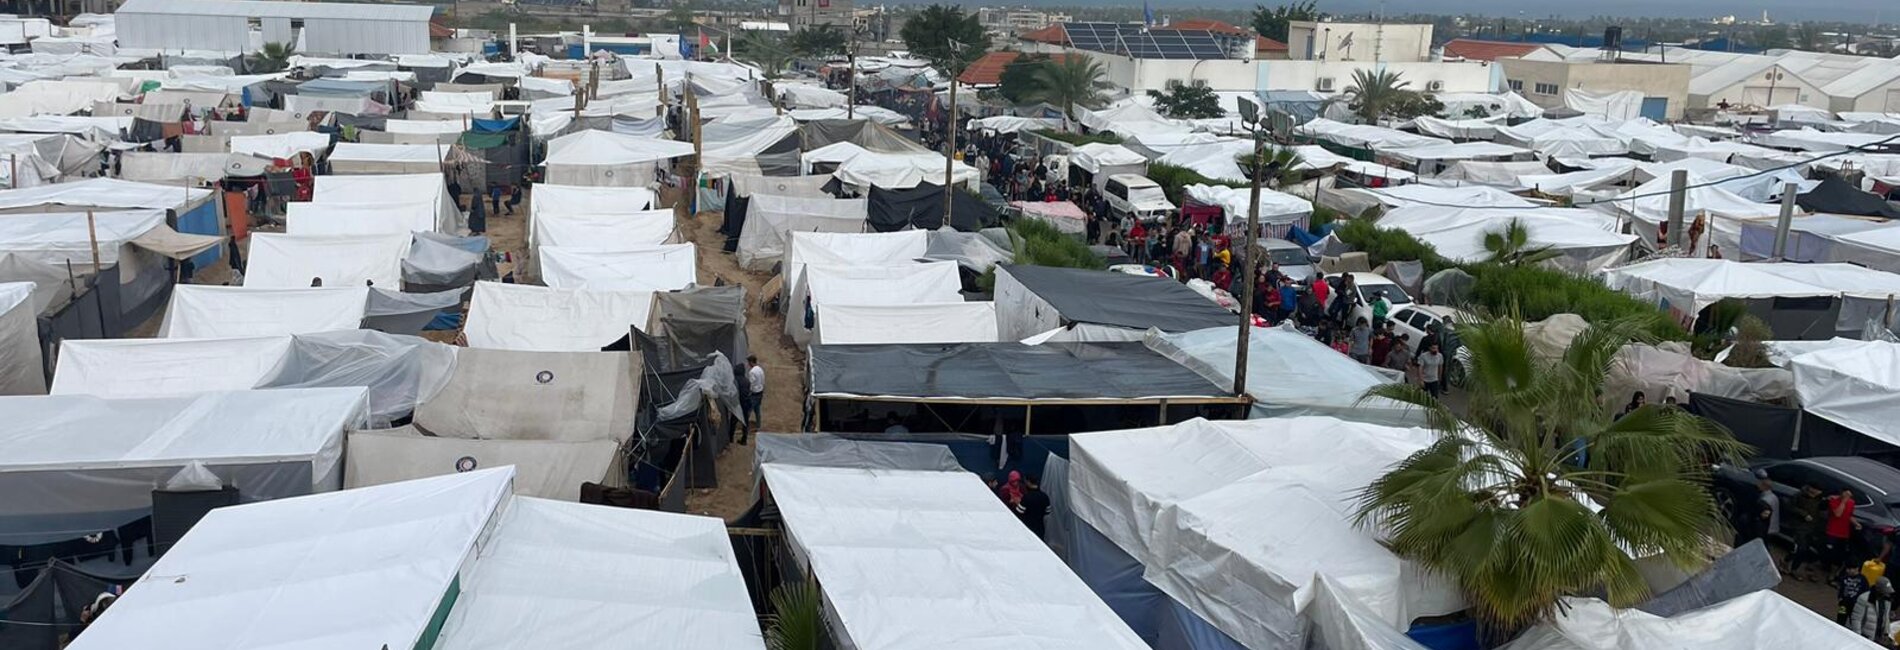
(1435, 86)
(1325, 84)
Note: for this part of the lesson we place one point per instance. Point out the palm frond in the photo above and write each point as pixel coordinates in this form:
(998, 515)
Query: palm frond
(797, 620)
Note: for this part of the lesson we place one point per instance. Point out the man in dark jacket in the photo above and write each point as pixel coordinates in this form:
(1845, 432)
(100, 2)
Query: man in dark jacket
(1034, 507)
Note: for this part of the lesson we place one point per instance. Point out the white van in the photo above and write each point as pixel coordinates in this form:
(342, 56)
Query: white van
(1134, 194)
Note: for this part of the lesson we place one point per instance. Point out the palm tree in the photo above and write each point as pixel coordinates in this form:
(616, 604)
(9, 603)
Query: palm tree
(797, 621)
(1070, 82)
(273, 58)
(1286, 160)
(766, 51)
(1540, 493)
(1511, 246)
(1373, 94)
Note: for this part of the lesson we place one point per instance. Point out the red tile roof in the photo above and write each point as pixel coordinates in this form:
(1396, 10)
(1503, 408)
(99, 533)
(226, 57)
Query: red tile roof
(1264, 44)
(1053, 35)
(989, 69)
(1211, 25)
(1487, 50)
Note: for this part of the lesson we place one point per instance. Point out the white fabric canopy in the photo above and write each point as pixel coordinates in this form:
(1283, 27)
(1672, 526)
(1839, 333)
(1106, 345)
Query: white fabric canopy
(1587, 239)
(850, 249)
(1101, 157)
(280, 261)
(552, 469)
(105, 193)
(1309, 377)
(423, 127)
(599, 200)
(1454, 151)
(1761, 620)
(602, 230)
(358, 158)
(208, 311)
(543, 319)
(1234, 519)
(1689, 285)
(21, 368)
(334, 219)
(394, 189)
(1365, 136)
(1854, 385)
(822, 285)
(864, 168)
(947, 322)
(912, 559)
(141, 368)
(1483, 128)
(281, 145)
(609, 148)
(658, 268)
(1616, 105)
(770, 220)
(1275, 207)
(61, 237)
(1013, 124)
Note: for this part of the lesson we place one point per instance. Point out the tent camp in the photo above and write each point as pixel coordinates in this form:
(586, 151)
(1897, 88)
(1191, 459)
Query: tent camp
(1853, 385)
(1586, 240)
(1762, 620)
(1873, 243)
(942, 322)
(1847, 298)
(604, 158)
(191, 209)
(340, 218)
(655, 268)
(516, 395)
(22, 371)
(1202, 509)
(209, 311)
(1279, 211)
(279, 261)
(862, 168)
(395, 189)
(145, 368)
(1837, 196)
(1102, 160)
(1097, 305)
(79, 464)
(550, 469)
(390, 553)
(770, 220)
(931, 559)
(553, 197)
(358, 158)
(1648, 208)
(1289, 373)
(823, 285)
(544, 319)
(849, 249)
(617, 230)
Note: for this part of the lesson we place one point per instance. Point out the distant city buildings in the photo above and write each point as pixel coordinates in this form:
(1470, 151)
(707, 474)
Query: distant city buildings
(1013, 21)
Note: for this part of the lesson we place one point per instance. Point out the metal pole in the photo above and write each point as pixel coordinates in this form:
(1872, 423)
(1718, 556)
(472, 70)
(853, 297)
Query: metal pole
(1785, 222)
(1247, 260)
(950, 153)
(92, 236)
(851, 101)
(513, 49)
(1678, 194)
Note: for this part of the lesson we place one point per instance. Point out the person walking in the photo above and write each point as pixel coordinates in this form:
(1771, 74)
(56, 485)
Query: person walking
(1873, 613)
(1360, 348)
(1847, 591)
(1400, 357)
(1431, 369)
(754, 404)
(1808, 524)
(1840, 528)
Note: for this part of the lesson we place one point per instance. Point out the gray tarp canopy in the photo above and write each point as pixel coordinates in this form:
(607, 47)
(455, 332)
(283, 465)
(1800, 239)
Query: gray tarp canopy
(1120, 299)
(827, 450)
(1119, 371)
(862, 132)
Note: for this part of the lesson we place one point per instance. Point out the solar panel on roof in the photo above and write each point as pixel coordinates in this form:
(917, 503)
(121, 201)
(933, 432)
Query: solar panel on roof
(1147, 43)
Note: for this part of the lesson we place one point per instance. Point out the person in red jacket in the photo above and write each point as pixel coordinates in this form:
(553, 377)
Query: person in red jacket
(1840, 528)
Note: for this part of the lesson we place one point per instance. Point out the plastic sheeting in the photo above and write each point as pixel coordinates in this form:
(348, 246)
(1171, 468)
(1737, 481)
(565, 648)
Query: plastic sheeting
(550, 469)
(62, 237)
(864, 168)
(357, 158)
(145, 368)
(1067, 218)
(543, 319)
(392, 190)
(1035, 299)
(511, 395)
(828, 450)
(1289, 374)
(204, 311)
(401, 372)
(658, 268)
(78, 464)
(1616, 105)
(554, 198)
(1364, 136)
(1587, 239)
(1853, 385)
(603, 230)
(1687, 286)
(281, 261)
(440, 260)
(1051, 371)
(1205, 508)
(849, 249)
(771, 219)
(1275, 207)
(1670, 371)
(976, 251)
(1763, 620)
(281, 145)
(21, 370)
(822, 285)
(921, 208)
(973, 574)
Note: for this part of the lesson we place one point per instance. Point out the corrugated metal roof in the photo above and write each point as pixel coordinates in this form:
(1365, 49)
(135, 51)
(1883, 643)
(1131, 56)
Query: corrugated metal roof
(264, 9)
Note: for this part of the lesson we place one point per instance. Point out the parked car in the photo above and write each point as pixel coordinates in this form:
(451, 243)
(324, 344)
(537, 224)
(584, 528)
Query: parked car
(1293, 259)
(1370, 285)
(1136, 195)
(1416, 320)
(1876, 487)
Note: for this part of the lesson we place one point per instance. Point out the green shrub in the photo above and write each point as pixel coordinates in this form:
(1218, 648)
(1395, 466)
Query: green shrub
(1038, 243)
(1173, 178)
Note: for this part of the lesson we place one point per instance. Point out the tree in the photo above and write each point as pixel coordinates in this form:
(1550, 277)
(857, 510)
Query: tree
(1019, 77)
(1070, 82)
(1285, 162)
(1375, 95)
(797, 621)
(763, 50)
(679, 18)
(274, 57)
(1187, 102)
(947, 37)
(818, 41)
(1510, 246)
(1540, 494)
(1272, 23)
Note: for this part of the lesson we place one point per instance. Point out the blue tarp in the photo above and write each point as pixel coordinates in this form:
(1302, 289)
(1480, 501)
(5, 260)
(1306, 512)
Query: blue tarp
(494, 126)
(203, 220)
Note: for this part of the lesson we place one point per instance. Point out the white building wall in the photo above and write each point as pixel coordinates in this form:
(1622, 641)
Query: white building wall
(1884, 98)
(1757, 91)
(184, 32)
(1327, 41)
(333, 36)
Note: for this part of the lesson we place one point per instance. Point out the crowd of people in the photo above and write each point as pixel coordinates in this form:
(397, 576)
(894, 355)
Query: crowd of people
(1823, 542)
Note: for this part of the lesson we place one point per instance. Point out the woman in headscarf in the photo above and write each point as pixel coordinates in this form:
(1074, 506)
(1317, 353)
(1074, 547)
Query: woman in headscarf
(1012, 489)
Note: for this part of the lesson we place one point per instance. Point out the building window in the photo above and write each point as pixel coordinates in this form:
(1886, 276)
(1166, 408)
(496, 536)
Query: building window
(1516, 85)
(1546, 89)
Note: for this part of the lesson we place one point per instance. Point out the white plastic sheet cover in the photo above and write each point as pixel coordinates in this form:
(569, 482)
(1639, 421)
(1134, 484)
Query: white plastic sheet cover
(552, 198)
(864, 168)
(1066, 217)
(543, 319)
(21, 369)
(392, 190)
(510, 395)
(603, 230)
(279, 261)
(771, 219)
(1275, 207)
(1616, 105)
(851, 249)
(1364, 136)
(1454, 151)
(1587, 239)
(1483, 128)
(1235, 519)
(1853, 385)
(1293, 374)
(806, 186)
(282, 145)
(658, 268)
(915, 559)
(552, 469)
(1689, 285)
(176, 168)
(742, 138)
(104, 193)
(823, 285)
(335, 219)
(1763, 620)
(139, 368)
(565, 575)
(608, 148)
(358, 158)
(1097, 156)
(358, 568)
(207, 311)
(400, 371)
(1013, 124)
(61, 237)
(942, 322)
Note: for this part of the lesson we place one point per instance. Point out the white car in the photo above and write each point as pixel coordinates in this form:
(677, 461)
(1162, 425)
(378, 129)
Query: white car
(1370, 286)
(1137, 196)
(1417, 320)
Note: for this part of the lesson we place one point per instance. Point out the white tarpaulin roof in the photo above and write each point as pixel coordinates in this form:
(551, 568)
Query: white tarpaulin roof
(1235, 519)
(1131, 117)
(1761, 620)
(1012, 124)
(21, 368)
(822, 285)
(1650, 202)
(104, 193)
(359, 158)
(770, 220)
(602, 230)
(1454, 151)
(1483, 128)
(422, 127)
(656, 268)
(60, 237)
(552, 469)
(1588, 239)
(279, 261)
(1462, 196)
(912, 559)
(333, 218)
(363, 568)
(1096, 156)
(865, 168)
(1365, 136)
(944, 322)
(541, 319)
(394, 189)
(609, 148)
(1854, 385)
(550, 198)
(134, 368)
(208, 311)
(1692, 284)
(850, 249)
(1275, 207)
(281, 145)
(1308, 377)
(1808, 139)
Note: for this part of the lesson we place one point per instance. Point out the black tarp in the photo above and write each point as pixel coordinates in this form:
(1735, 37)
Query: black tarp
(1742, 571)
(921, 207)
(1119, 299)
(1768, 428)
(1836, 196)
(1054, 371)
(734, 223)
(1823, 437)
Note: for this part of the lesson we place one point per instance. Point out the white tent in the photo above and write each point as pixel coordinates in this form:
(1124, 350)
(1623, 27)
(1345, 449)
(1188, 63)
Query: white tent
(106, 193)
(1482, 128)
(1761, 620)
(542, 319)
(359, 158)
(656, 268)
(392, 190)
(850, 249)
(208, 311)
(1234, 520)
(823, 285)
(550, 198)
(1364, 136)
(73, 465)
(913, 559)
(604, 158)
(281, 145)
(58, 238)
(22, 372)
(947, 322)
(423, 127)
(141, 368)
(770, 220)
(1854, 385)
(1445, 153)
(1291, 373)
(551, 469)
(335, 218)
(1275, 207)
(618, 230)
(863, 168)
(1686, 286)
(585, 396)
(1104, 160)
(279, 261)
(1587, 239)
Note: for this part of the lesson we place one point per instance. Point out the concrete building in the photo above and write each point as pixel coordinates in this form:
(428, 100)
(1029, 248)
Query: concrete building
(1014, 21)
(1665, 86)
(1827, 81)
(808, 13)
(1328, 41)
(245, 25)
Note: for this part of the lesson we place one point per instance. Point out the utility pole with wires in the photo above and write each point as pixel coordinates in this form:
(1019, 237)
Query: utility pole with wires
(950, 130)
(851, 91)
(1250, 113)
